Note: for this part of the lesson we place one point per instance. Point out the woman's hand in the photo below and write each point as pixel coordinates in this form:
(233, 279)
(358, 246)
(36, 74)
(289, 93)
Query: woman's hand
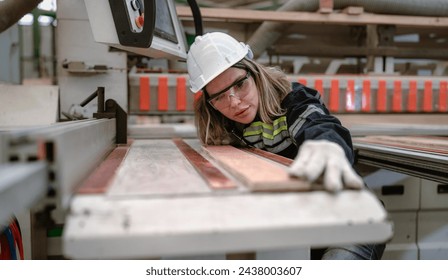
(317, 157)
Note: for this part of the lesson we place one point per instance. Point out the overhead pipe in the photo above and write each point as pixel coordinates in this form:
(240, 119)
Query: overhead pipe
(269, 32)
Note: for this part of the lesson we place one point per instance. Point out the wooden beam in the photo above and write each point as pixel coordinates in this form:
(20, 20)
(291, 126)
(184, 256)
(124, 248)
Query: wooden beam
(353, 10)
(258, 174)
(349, 51)
(214, 177)
(325, 6)
(98, 181)
(239, 15)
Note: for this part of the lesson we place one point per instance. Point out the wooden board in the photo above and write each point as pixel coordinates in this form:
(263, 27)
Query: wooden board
(430, 144)
(258, 174)
(214, 177)
(277, 158)
(156, 167)
(99, 180)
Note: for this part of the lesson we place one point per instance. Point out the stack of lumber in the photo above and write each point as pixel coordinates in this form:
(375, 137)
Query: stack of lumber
(421, 156)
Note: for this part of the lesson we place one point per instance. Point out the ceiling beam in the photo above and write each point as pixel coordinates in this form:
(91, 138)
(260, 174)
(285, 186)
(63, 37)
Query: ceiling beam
(240, 15)
(350, 51)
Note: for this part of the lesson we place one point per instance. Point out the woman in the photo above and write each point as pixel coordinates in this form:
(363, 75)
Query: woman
(246, 103)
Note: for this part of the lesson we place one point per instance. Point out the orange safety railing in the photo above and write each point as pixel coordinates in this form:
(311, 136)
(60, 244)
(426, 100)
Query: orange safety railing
(169, 93)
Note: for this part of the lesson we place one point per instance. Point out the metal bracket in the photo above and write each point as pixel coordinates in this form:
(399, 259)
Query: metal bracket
(386, 35)
(111, 109)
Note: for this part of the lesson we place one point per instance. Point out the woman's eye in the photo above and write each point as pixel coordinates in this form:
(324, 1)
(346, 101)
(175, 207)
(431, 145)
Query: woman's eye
(218, 98)
(241, 83)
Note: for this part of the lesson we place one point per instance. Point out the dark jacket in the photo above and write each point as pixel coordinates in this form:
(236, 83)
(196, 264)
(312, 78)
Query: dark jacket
(306, 118)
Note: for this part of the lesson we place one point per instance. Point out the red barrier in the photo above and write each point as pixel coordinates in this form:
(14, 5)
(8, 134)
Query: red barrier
(181, 94)
(381, 105)
(334, 96)
(443, 96)
(412, 96)
(350, 96)
(377, 94)
(396, 98)
(162, 104)
(144, 94)
(366, 96)
(427, 97)
(318, 85)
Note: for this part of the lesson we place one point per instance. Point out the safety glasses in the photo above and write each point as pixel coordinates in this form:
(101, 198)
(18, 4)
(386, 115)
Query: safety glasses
(240, 88)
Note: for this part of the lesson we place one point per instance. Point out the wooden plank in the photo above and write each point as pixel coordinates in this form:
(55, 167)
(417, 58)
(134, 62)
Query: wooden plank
(353, 10)
(344, 51)
(214, 177)
(280, 159)
(437, 145)
(156, 167)
(256, 173)
(98, 181)
(242, 15)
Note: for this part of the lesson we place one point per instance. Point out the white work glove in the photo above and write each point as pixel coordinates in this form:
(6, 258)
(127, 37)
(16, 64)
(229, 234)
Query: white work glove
(321, 156)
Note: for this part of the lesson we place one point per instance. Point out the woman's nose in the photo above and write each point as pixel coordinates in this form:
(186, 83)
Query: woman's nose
(234, 100)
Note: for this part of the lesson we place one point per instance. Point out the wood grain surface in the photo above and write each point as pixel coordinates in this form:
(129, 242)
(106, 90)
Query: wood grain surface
(214, 177)
(156, 167)
(430, 144)
(99, 180)
(258, 174)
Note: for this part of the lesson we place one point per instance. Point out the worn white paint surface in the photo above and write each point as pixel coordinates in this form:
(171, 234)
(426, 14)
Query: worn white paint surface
(105, 227)
(28, 105)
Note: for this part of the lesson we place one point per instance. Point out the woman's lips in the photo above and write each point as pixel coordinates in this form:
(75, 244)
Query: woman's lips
(240, 113)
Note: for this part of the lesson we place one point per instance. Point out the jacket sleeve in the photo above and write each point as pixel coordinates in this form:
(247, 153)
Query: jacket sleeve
(309, 119)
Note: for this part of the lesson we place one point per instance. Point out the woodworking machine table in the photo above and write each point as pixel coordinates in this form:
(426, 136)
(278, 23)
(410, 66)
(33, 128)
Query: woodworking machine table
(158, 206)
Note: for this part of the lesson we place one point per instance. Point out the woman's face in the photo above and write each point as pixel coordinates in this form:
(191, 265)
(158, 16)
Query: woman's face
(240, 101)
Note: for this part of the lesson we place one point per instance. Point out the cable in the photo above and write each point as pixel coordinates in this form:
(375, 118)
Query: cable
(4, 248)
(11, 243)
(196, 17)
(16, 233)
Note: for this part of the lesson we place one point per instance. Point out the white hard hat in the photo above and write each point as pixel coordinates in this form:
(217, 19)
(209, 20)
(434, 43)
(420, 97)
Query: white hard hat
(210, 55)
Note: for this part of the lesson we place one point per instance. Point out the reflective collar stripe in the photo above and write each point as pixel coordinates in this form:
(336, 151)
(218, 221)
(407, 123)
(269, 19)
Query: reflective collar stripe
(266, 134)
(276, 149)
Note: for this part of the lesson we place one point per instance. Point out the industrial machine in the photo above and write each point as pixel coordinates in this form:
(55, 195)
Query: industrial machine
(116, 190)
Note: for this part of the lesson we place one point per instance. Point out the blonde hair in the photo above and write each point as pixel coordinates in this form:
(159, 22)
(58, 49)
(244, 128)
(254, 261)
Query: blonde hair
(272, 85)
